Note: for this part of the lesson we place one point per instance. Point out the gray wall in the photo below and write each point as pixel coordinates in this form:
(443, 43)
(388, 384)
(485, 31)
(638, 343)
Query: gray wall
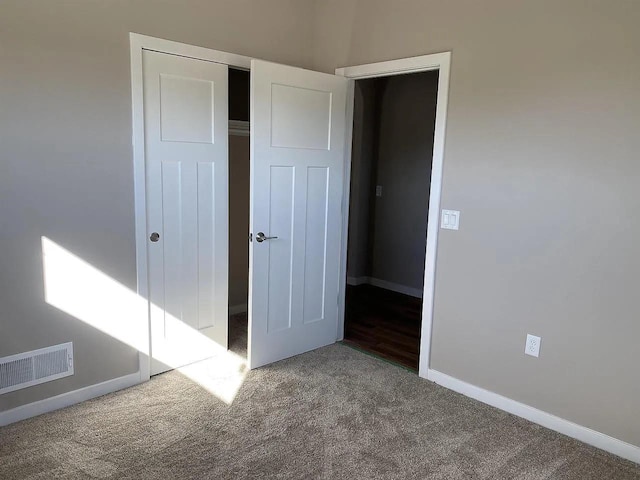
(541, 157)
(238, 220)
(363, 161)
(66, 162)
(239, 159)
(405, 150)
(392, 147)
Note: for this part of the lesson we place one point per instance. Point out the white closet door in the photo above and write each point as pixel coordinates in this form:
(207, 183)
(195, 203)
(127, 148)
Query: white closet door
(297, 174)
(185, 113)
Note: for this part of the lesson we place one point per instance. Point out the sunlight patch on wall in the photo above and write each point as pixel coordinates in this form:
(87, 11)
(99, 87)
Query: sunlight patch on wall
(84, 292)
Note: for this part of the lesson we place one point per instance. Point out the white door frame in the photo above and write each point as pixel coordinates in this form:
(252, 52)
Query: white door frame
(424, 63)
(138, 43)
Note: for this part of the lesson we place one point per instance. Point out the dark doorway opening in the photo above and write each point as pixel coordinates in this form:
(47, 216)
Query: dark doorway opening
(392, 151)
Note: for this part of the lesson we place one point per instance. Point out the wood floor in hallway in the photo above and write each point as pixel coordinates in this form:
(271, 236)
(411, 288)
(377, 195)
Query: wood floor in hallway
(384, 323)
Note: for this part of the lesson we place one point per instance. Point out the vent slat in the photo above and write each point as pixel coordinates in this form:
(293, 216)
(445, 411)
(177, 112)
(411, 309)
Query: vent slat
(52, 363)
(35, 367)
(16, 372)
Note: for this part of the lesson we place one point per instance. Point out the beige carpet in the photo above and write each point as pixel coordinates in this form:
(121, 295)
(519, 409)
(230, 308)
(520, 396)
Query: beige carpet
(334, 413)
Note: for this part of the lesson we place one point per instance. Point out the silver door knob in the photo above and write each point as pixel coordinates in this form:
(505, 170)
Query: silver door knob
(154, 237)
(260, 237)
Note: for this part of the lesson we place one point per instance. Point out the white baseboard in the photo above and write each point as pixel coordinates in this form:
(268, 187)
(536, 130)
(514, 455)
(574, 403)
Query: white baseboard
(394, 287)
(355, 281)
(566, 427)
(66, 399)
(235, 309)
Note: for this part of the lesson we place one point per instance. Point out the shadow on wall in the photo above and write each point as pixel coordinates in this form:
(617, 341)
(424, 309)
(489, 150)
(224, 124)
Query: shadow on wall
(81, 290)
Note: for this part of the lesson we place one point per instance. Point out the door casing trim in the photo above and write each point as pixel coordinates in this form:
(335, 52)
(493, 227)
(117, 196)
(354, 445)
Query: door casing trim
(423, 63)
(137, 44)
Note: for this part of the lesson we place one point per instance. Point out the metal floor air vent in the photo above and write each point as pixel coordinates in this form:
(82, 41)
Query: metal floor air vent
(37, 366)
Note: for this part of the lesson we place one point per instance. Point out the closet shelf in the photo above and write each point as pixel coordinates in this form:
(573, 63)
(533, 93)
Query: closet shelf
(239, 127)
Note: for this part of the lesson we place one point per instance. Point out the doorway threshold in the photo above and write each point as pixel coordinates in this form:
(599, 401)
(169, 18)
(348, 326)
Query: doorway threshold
(355, 346)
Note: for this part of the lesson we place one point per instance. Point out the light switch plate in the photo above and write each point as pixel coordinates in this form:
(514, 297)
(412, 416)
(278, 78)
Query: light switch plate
(450, 219)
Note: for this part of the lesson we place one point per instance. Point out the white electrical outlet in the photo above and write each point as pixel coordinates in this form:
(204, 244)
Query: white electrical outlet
(532, 346)
(378, 190)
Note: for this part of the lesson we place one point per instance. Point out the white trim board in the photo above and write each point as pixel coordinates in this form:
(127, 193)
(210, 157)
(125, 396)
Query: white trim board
(394, 287)
(67, 399)
(138, 43)
(566, 427)
(342, 281)
(235, 309)
(424, 63)
(161, 45)
(355, 281)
